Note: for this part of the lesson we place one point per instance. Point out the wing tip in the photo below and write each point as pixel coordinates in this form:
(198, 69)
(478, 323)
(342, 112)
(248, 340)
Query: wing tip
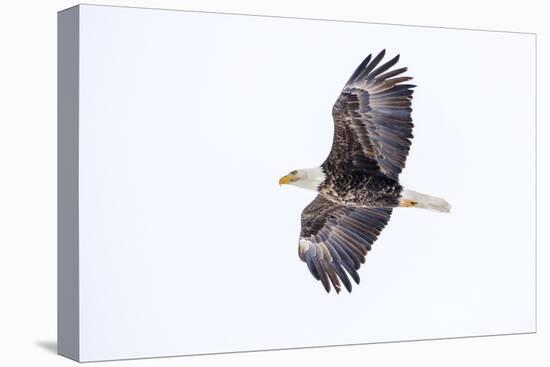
(397, 57)
(326, 286)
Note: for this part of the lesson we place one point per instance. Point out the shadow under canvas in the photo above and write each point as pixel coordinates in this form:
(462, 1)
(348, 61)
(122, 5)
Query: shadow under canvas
(48, 345)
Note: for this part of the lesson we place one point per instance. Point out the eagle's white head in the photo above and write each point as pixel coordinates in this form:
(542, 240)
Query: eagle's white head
(307, 178)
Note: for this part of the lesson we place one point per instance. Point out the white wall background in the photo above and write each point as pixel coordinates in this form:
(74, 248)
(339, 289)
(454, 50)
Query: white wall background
(27, 156)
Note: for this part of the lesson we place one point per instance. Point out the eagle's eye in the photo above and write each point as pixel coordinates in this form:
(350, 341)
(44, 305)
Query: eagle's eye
(294, 172)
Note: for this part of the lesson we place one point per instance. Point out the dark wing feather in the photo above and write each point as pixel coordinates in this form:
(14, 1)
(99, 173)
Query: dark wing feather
(372, 119)
(334, 240)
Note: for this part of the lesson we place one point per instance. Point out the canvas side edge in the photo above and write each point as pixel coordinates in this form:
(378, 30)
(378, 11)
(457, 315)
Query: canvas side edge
(68, 329)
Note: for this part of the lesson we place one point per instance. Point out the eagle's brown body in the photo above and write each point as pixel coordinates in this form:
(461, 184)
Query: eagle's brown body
(359, 188)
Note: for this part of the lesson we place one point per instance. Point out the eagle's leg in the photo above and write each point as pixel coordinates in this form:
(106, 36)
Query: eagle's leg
(406, 203)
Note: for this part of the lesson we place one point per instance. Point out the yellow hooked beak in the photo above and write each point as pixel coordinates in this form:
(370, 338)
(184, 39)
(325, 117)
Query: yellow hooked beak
(286, 179)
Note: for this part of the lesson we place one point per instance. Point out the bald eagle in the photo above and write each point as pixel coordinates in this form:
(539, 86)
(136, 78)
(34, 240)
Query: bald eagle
(358, 183)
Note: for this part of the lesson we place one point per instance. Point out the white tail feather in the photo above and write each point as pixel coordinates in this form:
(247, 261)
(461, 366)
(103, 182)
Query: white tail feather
(424, 201)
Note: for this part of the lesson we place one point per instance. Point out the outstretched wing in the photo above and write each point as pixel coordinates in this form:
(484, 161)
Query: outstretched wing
(334, 240)
(372, 118)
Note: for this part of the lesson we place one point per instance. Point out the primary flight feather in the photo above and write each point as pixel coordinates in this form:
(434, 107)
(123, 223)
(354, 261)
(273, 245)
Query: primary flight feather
(358, 184)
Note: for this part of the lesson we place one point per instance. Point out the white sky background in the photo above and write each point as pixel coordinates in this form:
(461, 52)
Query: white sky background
(188, 245)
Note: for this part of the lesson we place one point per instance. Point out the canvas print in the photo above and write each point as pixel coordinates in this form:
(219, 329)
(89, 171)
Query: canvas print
(232, 183)
(358, 183)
